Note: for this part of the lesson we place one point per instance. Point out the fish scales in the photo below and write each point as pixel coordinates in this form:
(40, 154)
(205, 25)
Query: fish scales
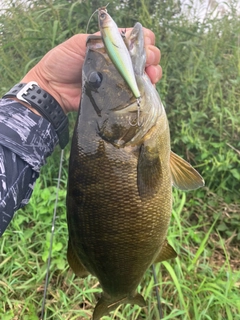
(120, 178)
(112, 216)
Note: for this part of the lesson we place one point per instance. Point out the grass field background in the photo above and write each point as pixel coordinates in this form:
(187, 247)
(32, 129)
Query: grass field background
(201, 91)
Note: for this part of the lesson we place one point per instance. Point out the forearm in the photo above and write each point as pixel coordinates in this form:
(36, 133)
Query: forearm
(17, 182)
(26, 140)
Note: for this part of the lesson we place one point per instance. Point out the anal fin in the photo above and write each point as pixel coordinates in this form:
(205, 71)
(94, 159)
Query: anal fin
(167, 252)
(75, 262)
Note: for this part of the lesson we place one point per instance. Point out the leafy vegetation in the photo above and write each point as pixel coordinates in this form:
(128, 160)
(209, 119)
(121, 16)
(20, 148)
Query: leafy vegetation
(201, 91)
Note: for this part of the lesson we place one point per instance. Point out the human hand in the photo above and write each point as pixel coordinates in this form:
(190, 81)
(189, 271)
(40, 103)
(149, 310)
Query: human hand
(59, 72)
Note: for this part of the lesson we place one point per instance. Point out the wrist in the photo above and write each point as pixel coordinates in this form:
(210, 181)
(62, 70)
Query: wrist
(32, 75)
(26, 105)
(47, 106)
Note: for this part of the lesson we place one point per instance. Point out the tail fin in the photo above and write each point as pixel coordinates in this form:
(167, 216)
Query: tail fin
(105, 305)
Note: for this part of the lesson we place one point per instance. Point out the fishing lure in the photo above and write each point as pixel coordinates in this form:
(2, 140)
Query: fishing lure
(117, 50)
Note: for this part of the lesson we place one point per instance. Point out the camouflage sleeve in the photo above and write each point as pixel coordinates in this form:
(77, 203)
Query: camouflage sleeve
(26, 140)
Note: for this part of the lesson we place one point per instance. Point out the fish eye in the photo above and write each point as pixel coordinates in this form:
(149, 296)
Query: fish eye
(102, 15)
(95, 79)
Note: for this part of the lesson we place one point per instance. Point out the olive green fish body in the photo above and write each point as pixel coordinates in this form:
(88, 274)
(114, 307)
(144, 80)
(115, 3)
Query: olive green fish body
(120, 186)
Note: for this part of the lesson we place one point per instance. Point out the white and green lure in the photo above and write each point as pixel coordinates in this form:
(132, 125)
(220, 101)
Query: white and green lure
(117, 50)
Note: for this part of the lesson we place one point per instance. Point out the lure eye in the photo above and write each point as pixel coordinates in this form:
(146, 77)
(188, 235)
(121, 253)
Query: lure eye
(95, 79)
(102, 15)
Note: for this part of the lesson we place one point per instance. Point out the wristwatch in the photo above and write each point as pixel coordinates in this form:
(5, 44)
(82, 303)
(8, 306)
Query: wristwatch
(45, 104)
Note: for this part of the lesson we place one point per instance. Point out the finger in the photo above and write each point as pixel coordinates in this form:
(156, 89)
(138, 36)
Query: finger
(153, 55)
(154, 73)
(148, 34)
(76, 43)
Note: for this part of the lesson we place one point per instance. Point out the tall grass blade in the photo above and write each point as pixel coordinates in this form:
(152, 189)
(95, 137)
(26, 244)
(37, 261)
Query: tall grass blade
(203, 243)
(176, 282)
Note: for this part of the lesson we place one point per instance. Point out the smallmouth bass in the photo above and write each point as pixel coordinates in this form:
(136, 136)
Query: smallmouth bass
(120, 178)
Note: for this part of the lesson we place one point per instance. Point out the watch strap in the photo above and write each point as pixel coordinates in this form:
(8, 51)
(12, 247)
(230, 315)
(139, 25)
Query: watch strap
(45, 104)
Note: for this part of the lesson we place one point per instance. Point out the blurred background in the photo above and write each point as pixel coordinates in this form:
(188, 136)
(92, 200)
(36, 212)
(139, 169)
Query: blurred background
(200, 89)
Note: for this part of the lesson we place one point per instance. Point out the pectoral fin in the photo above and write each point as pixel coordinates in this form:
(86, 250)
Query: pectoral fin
(105, 305)
(149, 171)
(167, 252)
(184, 176)
(75, 262)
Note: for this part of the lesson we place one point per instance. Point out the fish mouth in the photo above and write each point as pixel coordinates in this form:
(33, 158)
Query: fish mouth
(127, 107)
(133, 111)
(132, 104)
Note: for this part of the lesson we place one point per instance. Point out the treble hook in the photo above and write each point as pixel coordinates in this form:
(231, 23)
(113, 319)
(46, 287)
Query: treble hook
(137, 123)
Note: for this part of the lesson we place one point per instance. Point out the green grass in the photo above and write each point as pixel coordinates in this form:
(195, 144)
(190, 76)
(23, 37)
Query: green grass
(202, 283)
(201, 91)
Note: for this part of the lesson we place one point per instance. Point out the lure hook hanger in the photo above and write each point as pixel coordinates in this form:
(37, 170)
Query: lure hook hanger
(101, 8)
(137, 123)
